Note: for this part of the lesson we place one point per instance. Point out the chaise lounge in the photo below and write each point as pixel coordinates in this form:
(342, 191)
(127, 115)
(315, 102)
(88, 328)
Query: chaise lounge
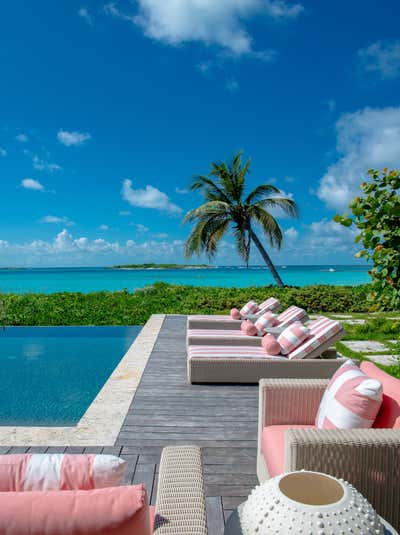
(219, 363)
(368, 458)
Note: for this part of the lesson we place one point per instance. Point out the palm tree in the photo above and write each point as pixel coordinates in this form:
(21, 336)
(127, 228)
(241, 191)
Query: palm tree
(226, 205)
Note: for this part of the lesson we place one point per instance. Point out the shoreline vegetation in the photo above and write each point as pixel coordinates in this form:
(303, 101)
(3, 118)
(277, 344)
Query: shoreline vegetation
(135, 308)
(161, 266)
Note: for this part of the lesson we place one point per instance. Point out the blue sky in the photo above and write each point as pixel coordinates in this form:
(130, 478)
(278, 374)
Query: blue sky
(108, 109)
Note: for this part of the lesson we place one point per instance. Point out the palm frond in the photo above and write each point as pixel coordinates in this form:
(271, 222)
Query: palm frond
(242, 238)
(260, 192)
(288, 206)
(207, 211)
(269, 225)
(208, 186)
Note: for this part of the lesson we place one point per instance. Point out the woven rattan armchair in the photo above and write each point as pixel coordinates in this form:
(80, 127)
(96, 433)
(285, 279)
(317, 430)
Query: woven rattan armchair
(181, 504)
(367, 458)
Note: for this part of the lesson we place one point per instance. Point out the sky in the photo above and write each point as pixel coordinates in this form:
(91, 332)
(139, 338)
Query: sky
(107, 110)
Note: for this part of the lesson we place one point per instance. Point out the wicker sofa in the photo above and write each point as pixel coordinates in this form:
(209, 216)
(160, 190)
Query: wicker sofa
(288, 440)
(181, 504)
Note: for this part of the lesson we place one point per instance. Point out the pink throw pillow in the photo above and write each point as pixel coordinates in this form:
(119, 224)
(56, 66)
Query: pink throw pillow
(265, 321)
(271, 345)
(248, 328)
(122, 510)
(235, 314)
(351, 400)
(389, 413)
(292, 337)
(60, 471)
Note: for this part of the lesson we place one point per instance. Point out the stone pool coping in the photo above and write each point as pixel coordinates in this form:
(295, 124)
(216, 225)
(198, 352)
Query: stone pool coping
(103, 419)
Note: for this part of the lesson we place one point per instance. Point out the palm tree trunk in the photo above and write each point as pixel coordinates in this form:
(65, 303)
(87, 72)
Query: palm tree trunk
(266, 258)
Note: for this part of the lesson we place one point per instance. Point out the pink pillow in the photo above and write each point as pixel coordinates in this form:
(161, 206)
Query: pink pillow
(351, 400)
(389, 413)
(271, 345)
(265, 321)
(235, 314)
(292, 337)
(248, 328)
(122, 510)
(60, 472)
(249, 308)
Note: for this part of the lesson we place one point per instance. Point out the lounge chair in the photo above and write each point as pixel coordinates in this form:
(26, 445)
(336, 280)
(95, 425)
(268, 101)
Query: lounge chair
(224, 321)
(218, 363)
(368, 458)
(234, 336)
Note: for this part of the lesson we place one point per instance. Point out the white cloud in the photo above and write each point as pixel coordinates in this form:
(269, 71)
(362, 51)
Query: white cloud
(182, 191)
(3, 152)
(369, 138)
(291, 233)
(72, 139)
(22, 138)
(57, 220)
(139, 227)
(104, 227)
(161, 235)
(83, 12)
(31, 183)
(43, 165)
(210, 22)
(381, 58)
(124, 213)
(149, 197)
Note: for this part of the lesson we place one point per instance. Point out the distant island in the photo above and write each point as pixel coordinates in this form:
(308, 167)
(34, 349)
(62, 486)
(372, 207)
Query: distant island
(161, 266)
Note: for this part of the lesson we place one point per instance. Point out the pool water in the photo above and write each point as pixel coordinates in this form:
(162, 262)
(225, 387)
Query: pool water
(50, 375)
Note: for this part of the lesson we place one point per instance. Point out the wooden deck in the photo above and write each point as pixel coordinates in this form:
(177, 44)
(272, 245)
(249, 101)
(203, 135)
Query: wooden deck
(166, 410)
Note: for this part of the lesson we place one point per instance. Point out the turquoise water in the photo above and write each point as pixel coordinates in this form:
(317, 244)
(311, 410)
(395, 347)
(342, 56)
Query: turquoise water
(50, 375)
(95, 279)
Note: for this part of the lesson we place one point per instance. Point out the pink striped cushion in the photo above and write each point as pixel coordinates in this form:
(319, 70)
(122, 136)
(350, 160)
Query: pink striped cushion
(265, 321)
(270, 304)
(249, 308)
(291, 315)
(352, 400)
(321, 331)
(59, 472)
(229, 352)
(292, 337)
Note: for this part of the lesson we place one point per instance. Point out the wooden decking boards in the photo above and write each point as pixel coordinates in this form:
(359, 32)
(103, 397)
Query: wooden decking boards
(166, 410)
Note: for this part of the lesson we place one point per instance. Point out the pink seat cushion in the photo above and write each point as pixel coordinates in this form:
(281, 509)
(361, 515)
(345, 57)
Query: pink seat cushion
(273, 446)
(122, 510)
(389, 414)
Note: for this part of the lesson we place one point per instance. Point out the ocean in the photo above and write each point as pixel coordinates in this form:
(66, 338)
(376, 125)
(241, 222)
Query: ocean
(49, 280)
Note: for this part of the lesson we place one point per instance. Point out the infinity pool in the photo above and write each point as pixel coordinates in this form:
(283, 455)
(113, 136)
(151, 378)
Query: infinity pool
(50, 375)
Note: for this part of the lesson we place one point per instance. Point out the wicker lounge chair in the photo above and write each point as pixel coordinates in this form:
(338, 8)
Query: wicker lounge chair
(220, 363)
(227, 335)
(288, 440)
(224, 321)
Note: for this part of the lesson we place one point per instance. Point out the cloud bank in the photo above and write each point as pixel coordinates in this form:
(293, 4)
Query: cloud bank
(149, 197)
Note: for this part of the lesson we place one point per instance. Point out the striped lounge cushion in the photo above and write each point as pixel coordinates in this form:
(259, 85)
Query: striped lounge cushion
(215, 333)
(249, 308)
(266, 321)
(352, 400)
(321, 331)
(292, 314)
(270, 304)
(292, 337)
(58, 471)
(229, 352)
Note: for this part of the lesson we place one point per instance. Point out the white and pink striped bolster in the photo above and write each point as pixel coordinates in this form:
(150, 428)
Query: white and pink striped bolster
(265, 322)
(59, 471)
(351, 400)
(249, 308)
(271, 305)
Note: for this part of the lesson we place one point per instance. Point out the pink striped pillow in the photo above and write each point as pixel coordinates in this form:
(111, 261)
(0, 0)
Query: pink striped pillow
(265, 321)
(249, 308)
(292, 337)
(291, 315)
(270, 304)
(351, 400)
(59, 471)
(321, 331)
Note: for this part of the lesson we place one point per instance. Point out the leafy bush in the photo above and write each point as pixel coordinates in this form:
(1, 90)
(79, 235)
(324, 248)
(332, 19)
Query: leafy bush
(376, 214)
(124, 308)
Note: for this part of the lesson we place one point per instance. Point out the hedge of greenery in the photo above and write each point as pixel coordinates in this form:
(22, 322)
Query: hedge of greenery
(125, 308)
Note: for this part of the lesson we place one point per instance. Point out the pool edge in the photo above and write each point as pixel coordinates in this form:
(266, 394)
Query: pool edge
(104, 417)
